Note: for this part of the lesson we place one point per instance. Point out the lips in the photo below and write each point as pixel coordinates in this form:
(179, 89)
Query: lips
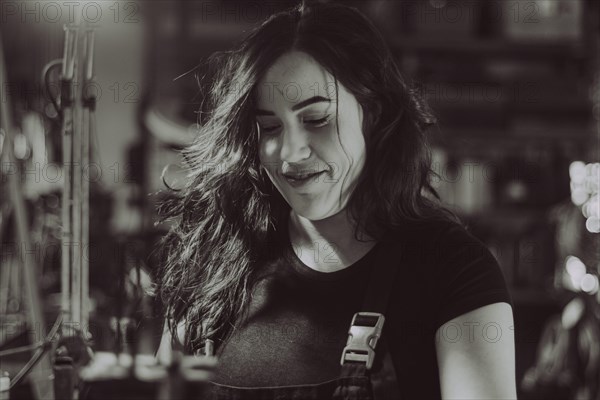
(302, 178)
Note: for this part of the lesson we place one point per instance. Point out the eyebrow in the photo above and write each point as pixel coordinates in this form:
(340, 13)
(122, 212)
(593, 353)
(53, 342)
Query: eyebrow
(302, 104)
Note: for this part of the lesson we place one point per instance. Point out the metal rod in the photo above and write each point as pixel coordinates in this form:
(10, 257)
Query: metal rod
(89, 59)
(67, 97)
(76, 193)
(85, 187)
(40, 380)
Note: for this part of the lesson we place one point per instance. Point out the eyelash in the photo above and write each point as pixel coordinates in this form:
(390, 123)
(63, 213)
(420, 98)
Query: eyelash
(319, 123)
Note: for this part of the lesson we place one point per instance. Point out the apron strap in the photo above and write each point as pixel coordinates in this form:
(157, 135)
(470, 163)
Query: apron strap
(366, 335)
(384, 380)
(354, 383)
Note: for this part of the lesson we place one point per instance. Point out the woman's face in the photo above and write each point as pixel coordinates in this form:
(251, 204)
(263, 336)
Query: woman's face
(313, 169)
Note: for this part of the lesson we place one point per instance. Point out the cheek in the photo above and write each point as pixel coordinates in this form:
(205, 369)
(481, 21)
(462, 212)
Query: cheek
(353, 142)
(267, 153)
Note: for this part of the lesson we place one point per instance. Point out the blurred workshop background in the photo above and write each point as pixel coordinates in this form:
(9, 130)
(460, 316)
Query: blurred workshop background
(516, 87)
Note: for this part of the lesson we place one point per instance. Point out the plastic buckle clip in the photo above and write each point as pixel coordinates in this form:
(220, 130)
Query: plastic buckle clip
(362, 338)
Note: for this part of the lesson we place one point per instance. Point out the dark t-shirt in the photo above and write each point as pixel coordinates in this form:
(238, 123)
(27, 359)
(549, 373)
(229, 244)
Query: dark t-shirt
(298, 319)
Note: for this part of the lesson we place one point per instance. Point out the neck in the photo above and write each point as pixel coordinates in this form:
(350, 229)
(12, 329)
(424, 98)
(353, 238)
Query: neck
(329, 244)
(336, 230)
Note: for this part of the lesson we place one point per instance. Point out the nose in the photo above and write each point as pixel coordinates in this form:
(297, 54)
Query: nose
(295, 145)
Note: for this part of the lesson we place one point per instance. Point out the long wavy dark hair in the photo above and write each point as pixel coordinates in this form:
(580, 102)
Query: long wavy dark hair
(229, 217)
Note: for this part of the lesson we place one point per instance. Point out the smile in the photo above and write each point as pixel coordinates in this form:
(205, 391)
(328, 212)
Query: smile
(302, 179)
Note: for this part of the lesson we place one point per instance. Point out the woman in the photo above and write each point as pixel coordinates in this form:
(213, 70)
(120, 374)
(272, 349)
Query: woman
(310, 173)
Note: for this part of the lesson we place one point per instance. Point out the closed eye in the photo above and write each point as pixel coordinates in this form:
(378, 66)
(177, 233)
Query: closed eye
(268, 129)
(312, 122)
(318, 123)
(264, 128)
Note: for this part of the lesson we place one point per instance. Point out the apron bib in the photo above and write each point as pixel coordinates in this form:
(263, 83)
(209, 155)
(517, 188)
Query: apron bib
(363, 376)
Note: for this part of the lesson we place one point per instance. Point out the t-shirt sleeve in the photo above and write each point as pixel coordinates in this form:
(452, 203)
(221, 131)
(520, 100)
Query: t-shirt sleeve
(469, 276)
